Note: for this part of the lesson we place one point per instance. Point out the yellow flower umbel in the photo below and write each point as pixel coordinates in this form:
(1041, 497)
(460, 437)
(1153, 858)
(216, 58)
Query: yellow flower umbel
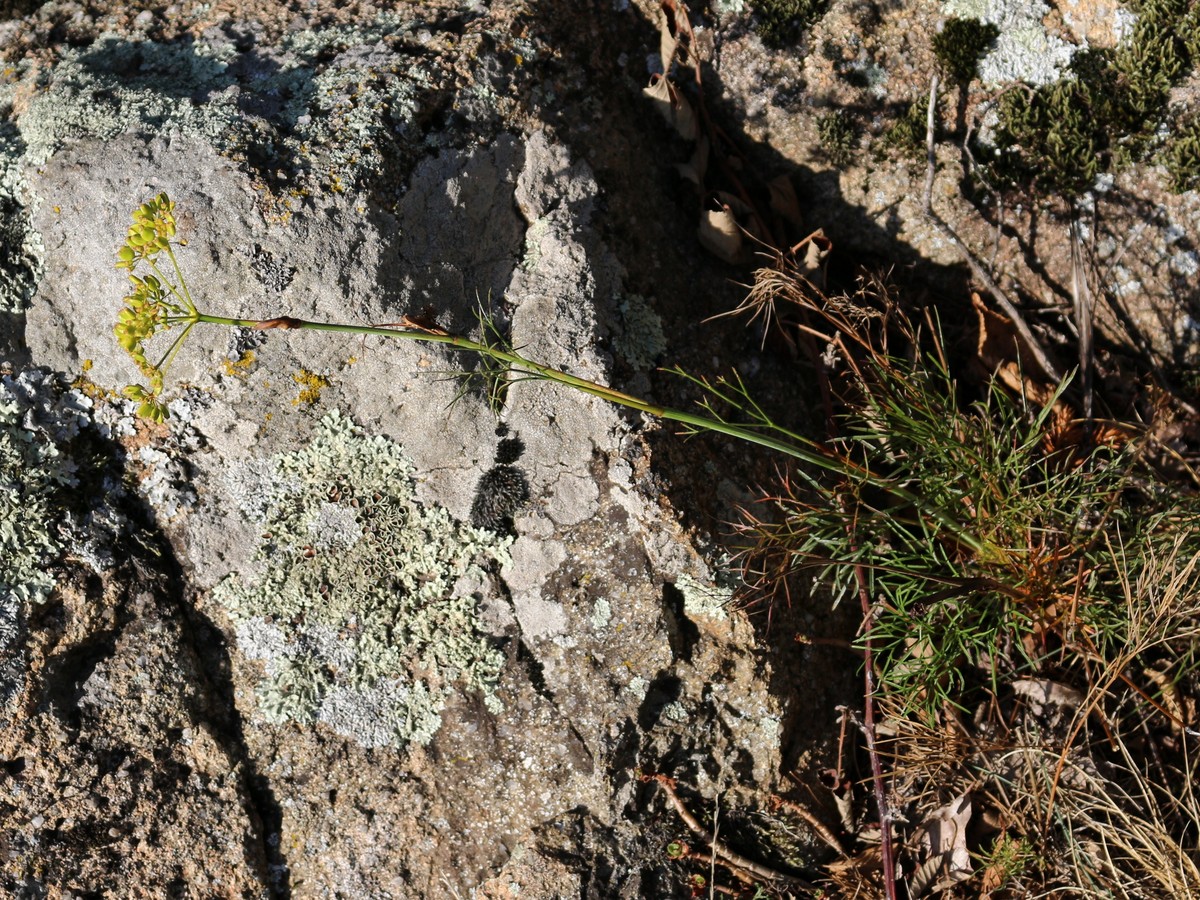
(155, 304)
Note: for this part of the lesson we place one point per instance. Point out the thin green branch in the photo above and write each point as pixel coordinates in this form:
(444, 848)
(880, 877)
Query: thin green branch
(803, 449)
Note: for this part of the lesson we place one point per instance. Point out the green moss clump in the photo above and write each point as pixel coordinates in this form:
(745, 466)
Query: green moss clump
(1106, 112)
(1048, 137)
(838, 137)
(781, 22)
(906, 135)
(961, 44)
(363, 612)
(1182, 154)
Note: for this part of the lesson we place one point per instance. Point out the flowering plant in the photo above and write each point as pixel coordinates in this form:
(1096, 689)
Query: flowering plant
(155, 304)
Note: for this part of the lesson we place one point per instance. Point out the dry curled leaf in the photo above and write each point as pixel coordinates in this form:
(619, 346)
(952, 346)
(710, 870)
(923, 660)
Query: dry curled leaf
(1001, 350)
(721, 235)
(1042, 692)
(810, 255)
(1178, 707)
(944, 839)
(784, 200)
(674, 34)
(672, 106)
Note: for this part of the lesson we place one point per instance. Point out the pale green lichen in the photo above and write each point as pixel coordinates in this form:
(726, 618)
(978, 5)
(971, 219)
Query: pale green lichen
(601, 614)
(640, 340)
(701, 600)
(323, 105)
(358, 613)
(1023, 49)
(33, 470)
(38, 419)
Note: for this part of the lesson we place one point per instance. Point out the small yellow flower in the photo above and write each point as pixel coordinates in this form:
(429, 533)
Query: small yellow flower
(148, 306)
(151, 232)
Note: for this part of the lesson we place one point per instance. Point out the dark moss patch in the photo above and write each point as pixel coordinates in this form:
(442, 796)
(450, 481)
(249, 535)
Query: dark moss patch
(1106, 112)
(838, 136)
(961, 44)
(906, 135)
(782, 22)
(1181, 155)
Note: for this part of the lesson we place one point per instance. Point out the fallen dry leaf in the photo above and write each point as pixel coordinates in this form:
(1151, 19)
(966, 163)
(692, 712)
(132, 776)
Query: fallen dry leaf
(674, 32)
(696, 168)
(672, 106)
(784, 200)
(944, 840)
(1042, 692)
(1000, 350)
(720, 235)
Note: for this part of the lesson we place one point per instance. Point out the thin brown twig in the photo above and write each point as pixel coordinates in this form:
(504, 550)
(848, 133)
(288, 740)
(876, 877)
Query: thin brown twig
(1081, 297)
(887, 855)
(712, 860)
(977, 270)
(759, 870)
(823, 831)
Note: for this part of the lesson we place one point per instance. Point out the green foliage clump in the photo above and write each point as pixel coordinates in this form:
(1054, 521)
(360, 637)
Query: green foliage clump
(781, 22)
(1182, 155)
(1019, 563)
(1106, 112)
(838, 138)
(906, 135)
(364, 610)
(960, 45)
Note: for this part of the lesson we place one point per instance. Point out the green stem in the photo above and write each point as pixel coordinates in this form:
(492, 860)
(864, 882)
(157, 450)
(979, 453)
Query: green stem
(163, 280)
(811, 452)
(182, 281)
(189, 324)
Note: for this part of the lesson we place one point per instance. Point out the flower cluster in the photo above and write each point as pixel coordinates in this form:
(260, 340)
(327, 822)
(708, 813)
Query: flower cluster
(144, 315)
(154, 305)
(151, 232)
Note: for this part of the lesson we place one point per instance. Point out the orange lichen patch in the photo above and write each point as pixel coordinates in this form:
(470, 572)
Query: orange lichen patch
(90, 389)
(240, 367)
(311, 385)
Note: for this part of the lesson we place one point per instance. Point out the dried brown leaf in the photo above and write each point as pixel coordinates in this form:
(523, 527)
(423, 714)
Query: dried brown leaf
(696, 168)
(720, 235)
(685, 117)
(1042, 692)
(866, 860)
(816, 249)
(945, 840)
(923, 877)
(668, 42)
(1173, 699)
(672, 106)
(995, 875)
(675, 35)
(1000, 350)
(784, 200)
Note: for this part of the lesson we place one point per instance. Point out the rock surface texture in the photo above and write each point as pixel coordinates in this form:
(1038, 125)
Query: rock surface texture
(338, 628)
(298, 669)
